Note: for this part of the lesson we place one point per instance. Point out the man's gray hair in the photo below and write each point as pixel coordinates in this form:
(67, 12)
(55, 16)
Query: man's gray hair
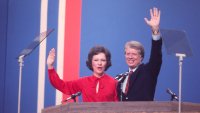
(135, 45)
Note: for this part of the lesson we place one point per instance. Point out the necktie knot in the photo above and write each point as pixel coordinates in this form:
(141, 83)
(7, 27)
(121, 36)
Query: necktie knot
(130, 73)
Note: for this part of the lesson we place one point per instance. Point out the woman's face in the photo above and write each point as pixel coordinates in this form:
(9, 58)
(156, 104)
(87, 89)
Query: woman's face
(99, 64)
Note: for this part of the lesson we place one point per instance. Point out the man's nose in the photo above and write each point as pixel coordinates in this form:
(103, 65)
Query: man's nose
(130, 56)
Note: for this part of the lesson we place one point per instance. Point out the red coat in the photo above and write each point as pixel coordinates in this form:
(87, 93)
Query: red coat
(87, 86)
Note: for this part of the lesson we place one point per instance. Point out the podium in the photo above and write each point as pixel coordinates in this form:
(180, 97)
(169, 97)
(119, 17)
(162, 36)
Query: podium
(124, 107)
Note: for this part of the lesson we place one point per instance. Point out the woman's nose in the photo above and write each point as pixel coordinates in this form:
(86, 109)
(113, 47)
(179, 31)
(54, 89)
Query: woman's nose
(99, 63)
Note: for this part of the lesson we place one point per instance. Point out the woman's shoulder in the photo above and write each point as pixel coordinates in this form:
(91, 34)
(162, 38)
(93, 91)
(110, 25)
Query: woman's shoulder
(109, 77)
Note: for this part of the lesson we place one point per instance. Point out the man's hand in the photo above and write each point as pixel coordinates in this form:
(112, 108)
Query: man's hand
(154, 21)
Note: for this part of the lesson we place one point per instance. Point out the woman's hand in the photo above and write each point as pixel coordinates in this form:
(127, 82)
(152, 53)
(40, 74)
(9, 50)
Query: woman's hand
(51, 58)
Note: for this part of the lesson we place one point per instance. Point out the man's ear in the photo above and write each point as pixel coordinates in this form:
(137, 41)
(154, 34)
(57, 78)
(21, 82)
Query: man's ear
(141, 58)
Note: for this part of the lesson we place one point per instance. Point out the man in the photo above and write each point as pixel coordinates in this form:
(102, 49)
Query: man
(141, 80)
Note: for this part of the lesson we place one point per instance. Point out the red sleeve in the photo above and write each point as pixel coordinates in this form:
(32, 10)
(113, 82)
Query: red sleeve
(66, 87)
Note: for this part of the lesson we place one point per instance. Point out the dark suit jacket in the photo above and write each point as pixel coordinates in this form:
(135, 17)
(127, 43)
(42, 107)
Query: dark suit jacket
(143, 81)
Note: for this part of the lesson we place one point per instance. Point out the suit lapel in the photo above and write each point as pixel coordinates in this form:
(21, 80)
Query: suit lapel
(134, 76)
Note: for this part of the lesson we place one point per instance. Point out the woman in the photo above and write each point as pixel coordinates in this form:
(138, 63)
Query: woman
(99, 87)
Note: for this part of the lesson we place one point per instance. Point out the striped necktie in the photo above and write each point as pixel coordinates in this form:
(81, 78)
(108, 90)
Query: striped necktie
(127, 84)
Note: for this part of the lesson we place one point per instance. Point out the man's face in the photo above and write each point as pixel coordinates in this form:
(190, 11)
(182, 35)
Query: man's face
(133, 57)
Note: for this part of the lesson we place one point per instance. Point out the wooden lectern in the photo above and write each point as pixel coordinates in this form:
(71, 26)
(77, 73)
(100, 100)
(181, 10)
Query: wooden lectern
(124, 107)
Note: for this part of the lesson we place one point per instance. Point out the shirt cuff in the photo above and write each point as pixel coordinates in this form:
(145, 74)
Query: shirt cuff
(156, 37)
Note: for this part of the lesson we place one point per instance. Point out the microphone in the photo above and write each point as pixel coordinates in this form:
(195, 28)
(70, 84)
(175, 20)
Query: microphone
(73, 96)
(121, 76)
(173, 95)
(118, 76)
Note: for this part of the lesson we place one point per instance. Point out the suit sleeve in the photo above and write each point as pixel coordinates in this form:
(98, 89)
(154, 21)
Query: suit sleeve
(155, 61)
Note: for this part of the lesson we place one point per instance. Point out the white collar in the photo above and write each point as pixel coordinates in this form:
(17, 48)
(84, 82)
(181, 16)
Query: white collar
(133, 69)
